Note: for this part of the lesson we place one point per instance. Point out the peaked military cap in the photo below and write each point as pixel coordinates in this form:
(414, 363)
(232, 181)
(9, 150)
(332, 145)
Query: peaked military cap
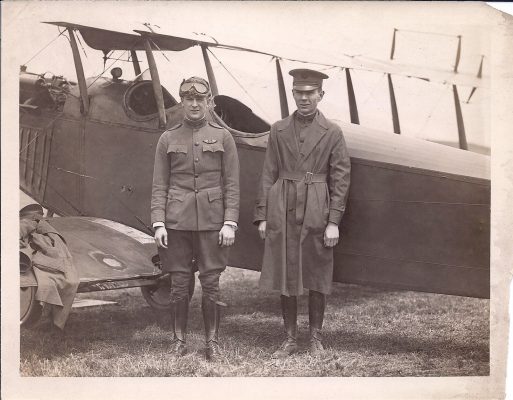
(307, 79)
(31, 210)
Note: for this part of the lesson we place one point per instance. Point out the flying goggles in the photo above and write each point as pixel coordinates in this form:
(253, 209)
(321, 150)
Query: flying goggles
(194, 88)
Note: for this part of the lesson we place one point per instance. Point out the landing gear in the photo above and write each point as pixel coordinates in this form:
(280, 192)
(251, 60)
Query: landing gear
(158, 296)
(30, 309)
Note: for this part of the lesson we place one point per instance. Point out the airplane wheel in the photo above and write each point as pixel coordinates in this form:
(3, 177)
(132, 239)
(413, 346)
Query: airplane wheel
(159, 295)
(30, 309)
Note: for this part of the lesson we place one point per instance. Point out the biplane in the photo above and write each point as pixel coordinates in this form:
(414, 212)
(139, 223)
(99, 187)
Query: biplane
(418, 214)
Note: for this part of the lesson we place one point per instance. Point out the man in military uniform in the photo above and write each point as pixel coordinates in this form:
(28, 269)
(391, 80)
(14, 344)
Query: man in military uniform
(195, 209)
(302, 197)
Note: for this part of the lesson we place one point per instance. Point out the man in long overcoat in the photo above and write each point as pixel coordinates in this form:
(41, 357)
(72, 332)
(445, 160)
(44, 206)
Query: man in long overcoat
(302, 197)
(195, 209)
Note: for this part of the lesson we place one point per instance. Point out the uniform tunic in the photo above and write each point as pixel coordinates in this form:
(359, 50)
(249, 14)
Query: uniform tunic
(303, 187)
(196, 178)
(195, 189)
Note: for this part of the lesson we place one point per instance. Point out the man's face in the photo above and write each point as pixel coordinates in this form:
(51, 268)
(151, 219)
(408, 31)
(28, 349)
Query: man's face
(307, 100)
(195, 107)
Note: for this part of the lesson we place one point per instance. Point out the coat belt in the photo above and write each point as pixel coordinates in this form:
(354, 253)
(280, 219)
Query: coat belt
(304, 180)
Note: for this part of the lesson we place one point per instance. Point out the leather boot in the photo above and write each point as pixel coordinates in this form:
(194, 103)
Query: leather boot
(179, 323)
(316, 306)
(289, 311)
(211, 317)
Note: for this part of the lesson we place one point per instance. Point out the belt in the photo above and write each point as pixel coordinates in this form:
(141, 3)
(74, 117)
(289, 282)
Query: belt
(307, 177)
(302, 190)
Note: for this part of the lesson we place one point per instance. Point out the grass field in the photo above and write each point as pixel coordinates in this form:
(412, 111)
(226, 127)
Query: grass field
(367, 332)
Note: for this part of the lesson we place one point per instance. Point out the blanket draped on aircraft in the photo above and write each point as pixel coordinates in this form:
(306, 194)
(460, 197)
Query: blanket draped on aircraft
(57, 276)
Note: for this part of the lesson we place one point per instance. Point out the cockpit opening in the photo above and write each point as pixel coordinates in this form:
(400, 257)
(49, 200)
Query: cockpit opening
(140, 102)
(237, 117)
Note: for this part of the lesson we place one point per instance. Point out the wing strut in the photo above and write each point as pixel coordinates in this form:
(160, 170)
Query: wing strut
(135, 62)
(284, 106)
(353, 108)
(210, 71)
(459, 120)
(393, 105)
(84, 100)
(392, 50)
(479, 75)
(155, 80)
(458, 55)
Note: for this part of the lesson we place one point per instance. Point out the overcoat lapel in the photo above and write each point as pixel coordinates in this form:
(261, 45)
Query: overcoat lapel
(318, 129)
(286, 133)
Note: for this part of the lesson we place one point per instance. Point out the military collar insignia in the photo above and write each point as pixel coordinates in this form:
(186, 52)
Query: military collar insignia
(210, 141)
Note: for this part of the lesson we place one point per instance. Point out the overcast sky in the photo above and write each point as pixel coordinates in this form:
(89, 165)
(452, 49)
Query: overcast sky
(318, 31)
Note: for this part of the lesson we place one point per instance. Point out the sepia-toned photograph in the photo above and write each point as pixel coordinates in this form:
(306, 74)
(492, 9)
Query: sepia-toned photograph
(270, 190)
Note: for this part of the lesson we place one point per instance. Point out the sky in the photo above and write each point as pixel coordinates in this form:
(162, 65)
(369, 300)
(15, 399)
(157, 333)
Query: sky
(324, 32)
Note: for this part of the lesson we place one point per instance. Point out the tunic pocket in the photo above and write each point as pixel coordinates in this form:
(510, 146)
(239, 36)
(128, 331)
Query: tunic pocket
(175, 206)
(177, 156)
(317, 208)
(216, 210)
(213, 147)
(212, 156)
(177, 148)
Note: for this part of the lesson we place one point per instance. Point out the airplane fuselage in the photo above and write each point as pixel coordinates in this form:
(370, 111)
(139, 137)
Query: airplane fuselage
(418, 214)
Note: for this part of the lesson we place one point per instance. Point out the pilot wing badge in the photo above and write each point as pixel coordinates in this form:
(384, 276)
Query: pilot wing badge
(210, 141)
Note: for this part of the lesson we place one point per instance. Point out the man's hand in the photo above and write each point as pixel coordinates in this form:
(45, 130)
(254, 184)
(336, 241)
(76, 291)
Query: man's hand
(226, 236)
(331, 235)
(261, 229)
(161, 237)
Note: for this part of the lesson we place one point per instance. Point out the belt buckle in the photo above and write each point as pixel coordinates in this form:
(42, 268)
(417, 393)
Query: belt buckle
(308, 178)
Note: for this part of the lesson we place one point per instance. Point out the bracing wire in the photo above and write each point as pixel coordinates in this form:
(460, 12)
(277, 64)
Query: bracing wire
(359, 67)
(159, 49)
(82, 46)
(33, 139)
(64, 33)
(34, 171)
(373, 89)
(43, 131)
(240, 84)
(431, 111)
(48, 44)
(105, 69)
(138, 219)
(427, 33)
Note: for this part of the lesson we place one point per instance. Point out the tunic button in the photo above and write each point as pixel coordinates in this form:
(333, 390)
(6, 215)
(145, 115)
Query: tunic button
(196, 159)
(196, 190)
(196, 176)
(196, 144)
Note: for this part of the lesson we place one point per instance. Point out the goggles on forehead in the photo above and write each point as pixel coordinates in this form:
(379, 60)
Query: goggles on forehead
(191, 87)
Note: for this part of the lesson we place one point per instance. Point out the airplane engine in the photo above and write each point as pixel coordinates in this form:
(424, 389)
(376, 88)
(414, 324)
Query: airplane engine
(42, 91)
